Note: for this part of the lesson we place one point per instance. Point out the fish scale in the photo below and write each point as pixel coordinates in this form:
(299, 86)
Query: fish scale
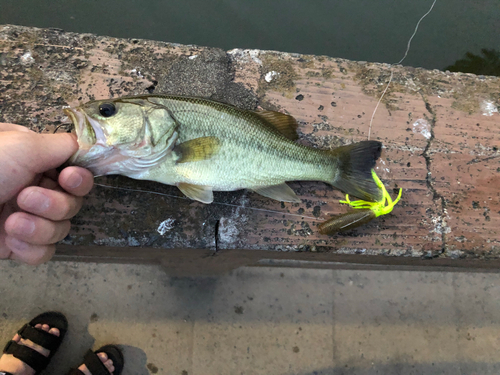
(252, 154)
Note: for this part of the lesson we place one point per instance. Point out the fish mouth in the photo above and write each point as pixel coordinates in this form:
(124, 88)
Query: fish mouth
(89, 135)
(88, 131)
(85, 133)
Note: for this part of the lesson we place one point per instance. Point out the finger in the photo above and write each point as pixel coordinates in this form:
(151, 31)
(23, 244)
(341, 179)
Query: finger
(27, 154)
(55, 149)
(50, 204)
(4, 250)
(77, 181)
(28, 253)
(38, 152)
(35, 230)
(52, 174)
(48, 183)
(6, 127)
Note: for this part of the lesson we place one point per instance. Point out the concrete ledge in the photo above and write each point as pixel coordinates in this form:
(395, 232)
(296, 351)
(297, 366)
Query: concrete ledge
(205, 262)
(440, 131)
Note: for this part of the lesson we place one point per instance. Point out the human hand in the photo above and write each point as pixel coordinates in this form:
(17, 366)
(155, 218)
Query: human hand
(36, 202)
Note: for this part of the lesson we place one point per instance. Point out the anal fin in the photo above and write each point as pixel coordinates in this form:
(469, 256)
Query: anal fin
(200, 193)
(281, 192)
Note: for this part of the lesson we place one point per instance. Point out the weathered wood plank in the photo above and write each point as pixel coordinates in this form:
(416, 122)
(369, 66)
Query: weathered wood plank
(440, 132)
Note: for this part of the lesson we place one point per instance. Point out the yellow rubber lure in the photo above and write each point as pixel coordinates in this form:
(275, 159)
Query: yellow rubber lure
(382, 207)
(367, 211)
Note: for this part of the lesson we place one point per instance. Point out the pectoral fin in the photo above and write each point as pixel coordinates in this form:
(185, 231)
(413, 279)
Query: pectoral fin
(200, 193)
(285, 124)
(281, 192)
(197, 149)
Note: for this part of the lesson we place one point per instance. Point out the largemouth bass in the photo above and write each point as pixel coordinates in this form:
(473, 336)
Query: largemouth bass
(202, 146)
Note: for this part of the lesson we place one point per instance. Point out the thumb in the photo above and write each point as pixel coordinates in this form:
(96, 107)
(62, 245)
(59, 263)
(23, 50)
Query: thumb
(37, 153)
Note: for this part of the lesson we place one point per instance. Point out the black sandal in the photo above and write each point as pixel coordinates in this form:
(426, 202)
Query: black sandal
(95, 365)
(31, 357)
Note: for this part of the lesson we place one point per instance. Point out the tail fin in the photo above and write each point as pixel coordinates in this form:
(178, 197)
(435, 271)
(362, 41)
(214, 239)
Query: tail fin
(355, 163)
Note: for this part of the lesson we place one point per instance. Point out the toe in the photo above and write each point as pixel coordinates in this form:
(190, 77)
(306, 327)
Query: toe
(18, 366)
(54, 331)
(109, 365)
(103, 356)
(30, 344)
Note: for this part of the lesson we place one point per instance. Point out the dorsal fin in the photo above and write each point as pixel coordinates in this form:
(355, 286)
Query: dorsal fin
(285, 124)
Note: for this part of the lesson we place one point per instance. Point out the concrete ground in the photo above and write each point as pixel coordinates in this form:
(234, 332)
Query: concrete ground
(264, 320)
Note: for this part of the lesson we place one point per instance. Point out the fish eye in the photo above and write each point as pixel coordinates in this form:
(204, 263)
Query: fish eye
(107, 109)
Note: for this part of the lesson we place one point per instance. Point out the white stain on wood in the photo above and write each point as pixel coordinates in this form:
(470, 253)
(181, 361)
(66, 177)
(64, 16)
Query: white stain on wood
(165, 226)
(423, 127)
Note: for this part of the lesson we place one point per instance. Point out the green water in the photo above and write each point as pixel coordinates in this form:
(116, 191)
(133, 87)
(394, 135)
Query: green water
(368, 30)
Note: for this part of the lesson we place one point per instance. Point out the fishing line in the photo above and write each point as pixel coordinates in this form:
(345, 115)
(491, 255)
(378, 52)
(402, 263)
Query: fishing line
(399, 62)
(219, 203)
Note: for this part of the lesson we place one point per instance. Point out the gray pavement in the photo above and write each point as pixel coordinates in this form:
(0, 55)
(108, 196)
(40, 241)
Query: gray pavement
(264, 320)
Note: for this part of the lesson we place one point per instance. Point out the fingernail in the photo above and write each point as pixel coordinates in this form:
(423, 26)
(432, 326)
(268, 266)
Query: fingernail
(74, 180)
(23, 226)
(36, 201)
(16, 244)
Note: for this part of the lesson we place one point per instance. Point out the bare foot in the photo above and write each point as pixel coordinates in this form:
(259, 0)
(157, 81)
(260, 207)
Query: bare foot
(104, 359)
(17, 367)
